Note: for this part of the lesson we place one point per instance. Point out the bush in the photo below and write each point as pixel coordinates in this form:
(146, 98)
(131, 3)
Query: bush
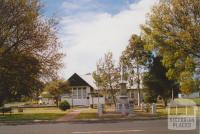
(64, 105)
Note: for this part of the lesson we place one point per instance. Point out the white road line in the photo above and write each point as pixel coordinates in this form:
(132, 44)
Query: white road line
(117, 131)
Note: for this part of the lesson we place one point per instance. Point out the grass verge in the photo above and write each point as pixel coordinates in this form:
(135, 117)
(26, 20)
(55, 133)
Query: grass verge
(31, 114)
(30, 117)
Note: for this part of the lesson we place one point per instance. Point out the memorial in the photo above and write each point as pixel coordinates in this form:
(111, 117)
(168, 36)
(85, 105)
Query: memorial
(123, 105)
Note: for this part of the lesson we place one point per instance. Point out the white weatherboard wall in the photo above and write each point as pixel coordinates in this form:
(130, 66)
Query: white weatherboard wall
(76, 102)
(77, 97)
(190, 96)
(46, 101)
(82, 100)
(97, 100)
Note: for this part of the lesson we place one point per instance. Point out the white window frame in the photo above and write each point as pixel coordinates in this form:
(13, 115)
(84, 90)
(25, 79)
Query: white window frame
(79, 92)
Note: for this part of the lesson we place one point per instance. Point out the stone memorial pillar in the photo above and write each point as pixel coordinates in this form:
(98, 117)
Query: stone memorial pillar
(142, 107)
(122, 98)
(153, 108)
(131, 107)
(100, 109)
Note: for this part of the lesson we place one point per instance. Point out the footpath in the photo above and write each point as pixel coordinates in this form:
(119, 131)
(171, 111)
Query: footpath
(70, 116)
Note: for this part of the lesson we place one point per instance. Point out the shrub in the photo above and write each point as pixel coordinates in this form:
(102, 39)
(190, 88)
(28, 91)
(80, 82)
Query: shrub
(64, 105)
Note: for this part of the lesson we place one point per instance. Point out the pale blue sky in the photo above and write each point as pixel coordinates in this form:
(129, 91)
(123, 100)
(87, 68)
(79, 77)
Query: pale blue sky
(90, 28)
(109, 6)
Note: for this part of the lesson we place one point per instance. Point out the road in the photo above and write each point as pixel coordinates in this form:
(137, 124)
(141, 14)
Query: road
(123, 127)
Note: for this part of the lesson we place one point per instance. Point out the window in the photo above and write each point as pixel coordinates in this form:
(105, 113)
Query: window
(79, 93)
(74, 93)
(132, 95)
(84, 93)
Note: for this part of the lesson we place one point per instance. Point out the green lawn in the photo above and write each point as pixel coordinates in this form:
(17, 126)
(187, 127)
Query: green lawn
(180, 111)
(162, 111)
(31, 117)
(88, 114)
(197, 101)
(52, 113)
(92, 114)
(34, 114)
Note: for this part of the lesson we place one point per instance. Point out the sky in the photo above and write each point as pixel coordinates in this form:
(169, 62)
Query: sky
(90, 28)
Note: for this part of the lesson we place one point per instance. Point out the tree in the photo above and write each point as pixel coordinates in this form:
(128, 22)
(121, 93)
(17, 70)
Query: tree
(157, 84)
(19, 77)
(56, 88)
(173, 32)
(134, 59)
(28, 48)
(107, 76)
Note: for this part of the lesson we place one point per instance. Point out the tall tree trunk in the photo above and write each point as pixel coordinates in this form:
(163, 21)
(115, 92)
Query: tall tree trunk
(112, 90)
(57, 102)
(138, 84)
(165, 102)
(72, 102)
(113, 96)
(1, 103)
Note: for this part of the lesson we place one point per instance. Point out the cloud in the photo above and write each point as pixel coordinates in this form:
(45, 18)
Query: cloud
(87, 36)
(74, 7)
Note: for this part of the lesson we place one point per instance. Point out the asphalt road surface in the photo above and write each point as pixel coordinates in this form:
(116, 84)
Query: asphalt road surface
(115, 127)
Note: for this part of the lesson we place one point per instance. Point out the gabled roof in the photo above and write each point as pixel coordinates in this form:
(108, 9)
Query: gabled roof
(85, 80)
(89, 79)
